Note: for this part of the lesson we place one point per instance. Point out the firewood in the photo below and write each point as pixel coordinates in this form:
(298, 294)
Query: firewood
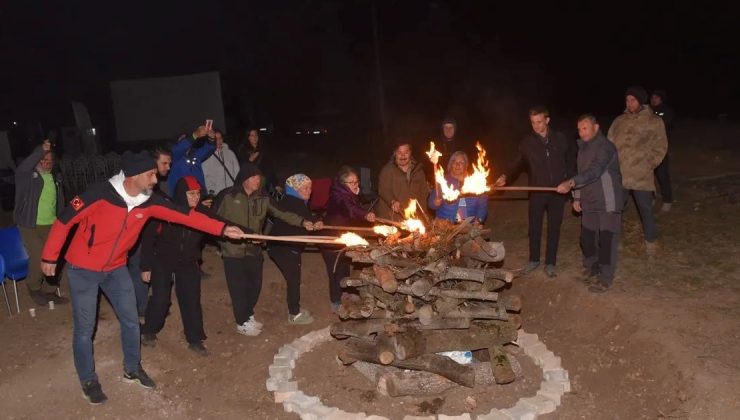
(500, 365)
(386, 278)
(367, 327)
(393, 382)
(464, 294)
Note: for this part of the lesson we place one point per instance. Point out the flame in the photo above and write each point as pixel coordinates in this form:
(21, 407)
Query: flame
(449, 192)
(385, 230)
(477, 183)
(411, 223)
(351, 239)
(433, 153)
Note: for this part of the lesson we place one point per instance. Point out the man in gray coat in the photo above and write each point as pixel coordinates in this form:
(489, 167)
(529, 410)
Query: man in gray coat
(599, 195)
(38, 201)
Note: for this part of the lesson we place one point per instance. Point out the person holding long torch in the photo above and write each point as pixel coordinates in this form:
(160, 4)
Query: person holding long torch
(447, 202)
(247, 205)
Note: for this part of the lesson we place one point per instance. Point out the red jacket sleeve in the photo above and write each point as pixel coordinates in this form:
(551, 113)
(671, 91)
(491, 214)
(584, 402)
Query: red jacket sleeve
(193, 219)
(77, 209)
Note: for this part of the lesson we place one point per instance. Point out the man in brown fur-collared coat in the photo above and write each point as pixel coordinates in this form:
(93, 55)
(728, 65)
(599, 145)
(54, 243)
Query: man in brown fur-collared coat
(642, 143)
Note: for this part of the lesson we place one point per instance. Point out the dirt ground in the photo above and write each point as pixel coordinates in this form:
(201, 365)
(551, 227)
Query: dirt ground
(663, 343)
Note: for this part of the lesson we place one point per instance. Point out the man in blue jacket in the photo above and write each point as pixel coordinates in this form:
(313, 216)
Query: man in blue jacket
(38, 201)
(188, 155)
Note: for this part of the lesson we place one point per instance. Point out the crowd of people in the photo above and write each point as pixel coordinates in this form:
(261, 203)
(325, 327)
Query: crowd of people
(202, 187)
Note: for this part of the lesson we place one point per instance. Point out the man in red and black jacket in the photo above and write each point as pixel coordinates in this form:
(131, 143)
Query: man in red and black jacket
(110, 217)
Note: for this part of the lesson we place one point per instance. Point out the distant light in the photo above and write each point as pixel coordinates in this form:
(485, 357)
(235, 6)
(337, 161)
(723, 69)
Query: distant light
(263, 129)
(298, 132)
(317, 132)
(93, 131)
(15, 122)
(326, 131)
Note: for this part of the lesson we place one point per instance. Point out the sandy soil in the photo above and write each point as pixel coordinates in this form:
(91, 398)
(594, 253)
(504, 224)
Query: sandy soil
(665, 342)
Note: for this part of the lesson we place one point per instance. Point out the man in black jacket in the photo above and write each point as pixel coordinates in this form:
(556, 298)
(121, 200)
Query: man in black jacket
(549, 158)
(662, 172)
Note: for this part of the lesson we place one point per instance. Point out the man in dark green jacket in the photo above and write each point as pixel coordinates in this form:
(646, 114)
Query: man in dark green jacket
(247, 206)
(38, 201)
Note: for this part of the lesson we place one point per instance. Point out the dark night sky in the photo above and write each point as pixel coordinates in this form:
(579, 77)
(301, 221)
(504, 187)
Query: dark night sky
(285, 60)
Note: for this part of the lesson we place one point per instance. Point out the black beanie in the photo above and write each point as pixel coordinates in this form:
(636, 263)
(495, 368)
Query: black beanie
(246, 171)
(661, 93)
(638, 92)
(136, 163)
(449, 120)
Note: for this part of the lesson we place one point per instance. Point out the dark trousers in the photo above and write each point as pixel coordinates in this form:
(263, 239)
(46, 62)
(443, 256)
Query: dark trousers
(663, 174)
(553, 205)
(644, 204)
(343, 268)
(34, 239)
(600, 243)
(186, 279)
(141, 289)
(289, 262)
(244, 280)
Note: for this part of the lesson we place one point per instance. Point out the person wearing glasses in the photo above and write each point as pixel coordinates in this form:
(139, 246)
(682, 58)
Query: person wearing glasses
(344, 209)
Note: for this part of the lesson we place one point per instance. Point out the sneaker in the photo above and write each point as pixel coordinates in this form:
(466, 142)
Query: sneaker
(139, 377)
(589, 276)
(531, 266)
(550, 270)
(198, 348)
(149, 340)
(93, 392)
(651, 248)
(599, 287)
(302, 318)
(53, 297)
(255, 322)
(666, 207)
(248, 328)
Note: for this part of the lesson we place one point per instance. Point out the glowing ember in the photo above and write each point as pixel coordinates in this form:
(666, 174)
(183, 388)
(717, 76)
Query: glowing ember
(449, 192)
(477, 183)
(385, 230)
(433, 153)
(351, 239)
(411, 223)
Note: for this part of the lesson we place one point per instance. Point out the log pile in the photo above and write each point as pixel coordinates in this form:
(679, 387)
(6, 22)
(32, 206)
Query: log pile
(423, 294)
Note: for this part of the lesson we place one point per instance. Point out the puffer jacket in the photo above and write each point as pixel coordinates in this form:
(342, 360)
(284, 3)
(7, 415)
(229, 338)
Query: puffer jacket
(344, 207)
(397, 185)
(642, 143)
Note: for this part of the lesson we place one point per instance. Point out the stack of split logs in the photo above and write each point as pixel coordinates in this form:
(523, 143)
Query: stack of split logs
(424, 294)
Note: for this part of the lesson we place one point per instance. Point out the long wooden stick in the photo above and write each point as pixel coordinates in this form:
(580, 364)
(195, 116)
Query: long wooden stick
(355, 228)
(388, 222)
(523, 189)
(302, 239)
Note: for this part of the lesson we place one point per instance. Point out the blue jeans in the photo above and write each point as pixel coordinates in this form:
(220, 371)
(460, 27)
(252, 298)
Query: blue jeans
(141, 289)
(84, 287)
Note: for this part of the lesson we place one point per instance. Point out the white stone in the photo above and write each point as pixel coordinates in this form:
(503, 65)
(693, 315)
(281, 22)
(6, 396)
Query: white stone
(494, 414)
(288, 351)
(343, 415)
(550, 362)
(464, 416)
(520, 412)
(540, 404)
(301, 345)
(283, 361)
(418, 418)
(555, 374)
(374, 417)
(282, 396)
(280, 372)
(555, 396)
(299, 402)
(537, 351)
(319, 410)
(275, 384)
(525, 339)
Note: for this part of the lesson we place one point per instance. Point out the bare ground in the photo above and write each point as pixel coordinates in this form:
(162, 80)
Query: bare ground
(664, 343)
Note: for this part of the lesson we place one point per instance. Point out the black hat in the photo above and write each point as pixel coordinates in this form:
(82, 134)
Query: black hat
(638, 92)
(136, 163)
(246, 171)
(449, 120)
(661, 93)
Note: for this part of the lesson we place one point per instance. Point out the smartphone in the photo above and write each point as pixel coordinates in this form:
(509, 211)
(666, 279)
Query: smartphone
(209, 125)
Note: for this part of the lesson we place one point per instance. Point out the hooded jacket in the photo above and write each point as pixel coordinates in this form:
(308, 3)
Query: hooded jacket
(599, 181)
(397, 185)
(642, 144)
(249, 212)
(344, 207)
(172, 244)
(28, 186)
(297, 206)
(109, 225)
(216, 176)
(188, 155)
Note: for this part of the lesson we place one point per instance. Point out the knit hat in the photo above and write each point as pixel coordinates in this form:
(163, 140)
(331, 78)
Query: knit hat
(135, 163)
(449, 120)
(297, 181)
(661, 93)
(638, 92)
(247, 171)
